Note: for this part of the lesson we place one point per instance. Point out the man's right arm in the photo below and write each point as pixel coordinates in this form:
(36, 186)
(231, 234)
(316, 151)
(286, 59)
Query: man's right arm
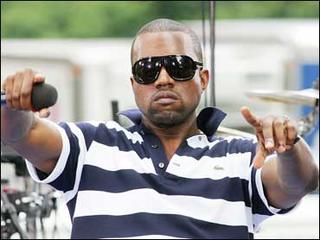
(32, 137)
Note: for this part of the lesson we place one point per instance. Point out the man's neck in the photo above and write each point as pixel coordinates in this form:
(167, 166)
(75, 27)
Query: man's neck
(172, 137)
(178, 131)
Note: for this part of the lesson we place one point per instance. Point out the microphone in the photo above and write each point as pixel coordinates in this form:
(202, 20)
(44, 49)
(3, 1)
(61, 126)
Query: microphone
(43, 95)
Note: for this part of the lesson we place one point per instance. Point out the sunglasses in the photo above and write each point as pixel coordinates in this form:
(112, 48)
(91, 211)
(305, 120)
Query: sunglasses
(179, 67)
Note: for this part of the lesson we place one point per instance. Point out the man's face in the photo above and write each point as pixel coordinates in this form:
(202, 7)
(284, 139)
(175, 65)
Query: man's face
(166, 102)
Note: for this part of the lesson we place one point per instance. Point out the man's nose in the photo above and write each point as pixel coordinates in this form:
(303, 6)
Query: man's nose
(164, 79)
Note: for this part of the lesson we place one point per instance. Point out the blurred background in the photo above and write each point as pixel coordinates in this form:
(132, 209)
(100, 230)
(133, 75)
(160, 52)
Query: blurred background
(83, 49)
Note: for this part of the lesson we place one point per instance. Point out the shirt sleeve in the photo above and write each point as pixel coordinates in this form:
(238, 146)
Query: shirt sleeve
(76, 139)
(261, 208)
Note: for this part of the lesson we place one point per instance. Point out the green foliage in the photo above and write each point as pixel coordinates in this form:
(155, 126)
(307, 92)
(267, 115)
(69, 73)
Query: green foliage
(94, 19)
(267, 9)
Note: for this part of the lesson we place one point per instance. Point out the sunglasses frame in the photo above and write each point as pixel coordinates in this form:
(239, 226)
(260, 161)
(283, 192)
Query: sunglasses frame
(162, 60)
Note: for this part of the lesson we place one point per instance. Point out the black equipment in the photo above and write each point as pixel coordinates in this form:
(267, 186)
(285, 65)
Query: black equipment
(35, 206)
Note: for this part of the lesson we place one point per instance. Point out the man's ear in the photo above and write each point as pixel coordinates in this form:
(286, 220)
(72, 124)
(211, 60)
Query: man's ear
(204, 78)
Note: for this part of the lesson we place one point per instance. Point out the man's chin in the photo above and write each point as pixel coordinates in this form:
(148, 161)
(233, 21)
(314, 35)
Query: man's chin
(166, 118)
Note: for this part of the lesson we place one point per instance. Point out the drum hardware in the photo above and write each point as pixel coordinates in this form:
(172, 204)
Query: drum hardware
(306, 97)
(33, 205)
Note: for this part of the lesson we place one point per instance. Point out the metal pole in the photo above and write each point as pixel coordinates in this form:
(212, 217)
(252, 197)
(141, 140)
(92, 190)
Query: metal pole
(212, 9)
(204, 39)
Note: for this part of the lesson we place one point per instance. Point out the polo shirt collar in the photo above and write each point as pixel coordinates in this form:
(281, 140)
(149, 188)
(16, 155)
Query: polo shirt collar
(208, 120)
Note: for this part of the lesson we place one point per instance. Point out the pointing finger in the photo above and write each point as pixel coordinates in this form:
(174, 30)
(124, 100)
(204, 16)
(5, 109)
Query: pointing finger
(249, 117)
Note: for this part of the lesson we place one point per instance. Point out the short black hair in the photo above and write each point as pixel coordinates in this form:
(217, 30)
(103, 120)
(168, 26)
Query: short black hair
(168, 25)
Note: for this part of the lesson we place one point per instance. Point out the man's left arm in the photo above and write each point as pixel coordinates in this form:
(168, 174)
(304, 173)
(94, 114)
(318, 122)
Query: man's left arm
(289, 174)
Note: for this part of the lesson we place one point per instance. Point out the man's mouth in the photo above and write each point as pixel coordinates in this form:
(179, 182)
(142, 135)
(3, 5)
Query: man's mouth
(165, 98)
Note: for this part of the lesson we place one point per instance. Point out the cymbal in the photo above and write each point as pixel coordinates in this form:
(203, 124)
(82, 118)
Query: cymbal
(307, 96)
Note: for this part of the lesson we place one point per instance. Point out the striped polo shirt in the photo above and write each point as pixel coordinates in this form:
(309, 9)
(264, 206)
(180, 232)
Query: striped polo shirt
(118, 182)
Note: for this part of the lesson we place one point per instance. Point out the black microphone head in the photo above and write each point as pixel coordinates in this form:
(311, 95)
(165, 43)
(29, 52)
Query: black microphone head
(43, 96)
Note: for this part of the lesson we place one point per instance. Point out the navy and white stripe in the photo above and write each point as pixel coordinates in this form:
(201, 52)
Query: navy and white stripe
(118, 183)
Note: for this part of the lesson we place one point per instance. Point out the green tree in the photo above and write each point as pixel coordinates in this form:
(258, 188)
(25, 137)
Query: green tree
(94, 19)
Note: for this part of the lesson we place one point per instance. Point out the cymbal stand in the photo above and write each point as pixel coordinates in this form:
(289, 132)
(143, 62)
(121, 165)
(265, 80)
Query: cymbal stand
(307, 123)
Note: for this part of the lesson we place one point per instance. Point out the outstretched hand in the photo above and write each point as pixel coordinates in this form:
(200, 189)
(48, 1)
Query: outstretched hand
(274, 133)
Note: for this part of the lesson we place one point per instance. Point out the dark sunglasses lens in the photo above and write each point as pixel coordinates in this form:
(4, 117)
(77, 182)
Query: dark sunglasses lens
(180, 68)
(145, 71)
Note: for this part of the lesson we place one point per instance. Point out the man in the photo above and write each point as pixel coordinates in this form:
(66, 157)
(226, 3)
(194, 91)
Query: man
(167, 175)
